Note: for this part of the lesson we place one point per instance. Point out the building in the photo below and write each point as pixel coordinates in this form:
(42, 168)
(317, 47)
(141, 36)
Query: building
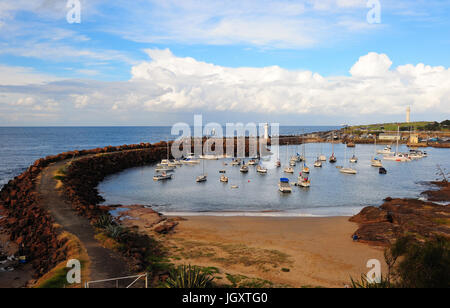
(414, 139)
(389, 137)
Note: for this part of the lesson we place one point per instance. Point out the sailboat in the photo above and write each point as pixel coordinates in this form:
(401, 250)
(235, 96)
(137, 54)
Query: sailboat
(223, 177)
(303, 181)
(321, 156)
(203, 177)
(354, 159)
(347, 170)
(332, 157)
(288, 169)
(318, 163)
(305, 168)
(375, 162)
(398, 157)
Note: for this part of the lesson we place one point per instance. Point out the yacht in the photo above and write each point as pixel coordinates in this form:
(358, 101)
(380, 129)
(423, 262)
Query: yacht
(162, 177)
(354, 159)
(376, 163)
(261, 169)
(386, 151)
(224, 178)
(284, 186)
(398, 157)
(348, 171)
(244, 169)
(318, 163)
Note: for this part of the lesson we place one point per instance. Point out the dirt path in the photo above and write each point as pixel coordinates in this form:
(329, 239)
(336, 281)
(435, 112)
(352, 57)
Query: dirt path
(104, 263)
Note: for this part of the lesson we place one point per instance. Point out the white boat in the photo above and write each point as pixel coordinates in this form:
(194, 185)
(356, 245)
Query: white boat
(252, 162)
(348, 171)
(305, 169)
(288, 170)
(284, 186)
(303, 181)
(292, 163)
(333, 158)
(223, 178)
(261, 169)
(162, 177)
(322, 158)
(318, 163)
(203, 177)
(386, 151)
(376, 163)
(354, 159)
(236, 162)
(397, 157)
(244, 169)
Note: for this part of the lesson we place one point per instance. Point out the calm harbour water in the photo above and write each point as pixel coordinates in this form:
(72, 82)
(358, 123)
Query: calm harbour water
(331, 193)
(21, 146)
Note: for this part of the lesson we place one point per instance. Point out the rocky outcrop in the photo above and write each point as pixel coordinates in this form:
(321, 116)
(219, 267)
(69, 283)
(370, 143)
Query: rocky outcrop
(399, 217)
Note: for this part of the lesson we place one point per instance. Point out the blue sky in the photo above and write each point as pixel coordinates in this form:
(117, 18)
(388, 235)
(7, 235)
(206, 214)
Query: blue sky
(286, 61)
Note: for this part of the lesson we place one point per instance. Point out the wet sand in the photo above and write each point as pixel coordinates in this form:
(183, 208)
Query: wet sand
(294, 252)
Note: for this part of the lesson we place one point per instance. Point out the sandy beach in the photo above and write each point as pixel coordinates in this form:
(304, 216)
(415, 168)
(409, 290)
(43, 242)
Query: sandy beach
(296, 252)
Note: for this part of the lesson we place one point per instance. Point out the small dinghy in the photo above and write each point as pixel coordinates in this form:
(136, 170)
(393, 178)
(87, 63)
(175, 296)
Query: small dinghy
(382, 171)
(223, 178)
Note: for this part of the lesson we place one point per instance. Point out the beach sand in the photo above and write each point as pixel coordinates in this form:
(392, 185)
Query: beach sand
(294, 252)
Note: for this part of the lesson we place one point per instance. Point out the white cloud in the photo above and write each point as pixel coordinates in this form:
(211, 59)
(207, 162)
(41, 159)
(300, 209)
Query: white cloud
(372, 64)
(169, 84)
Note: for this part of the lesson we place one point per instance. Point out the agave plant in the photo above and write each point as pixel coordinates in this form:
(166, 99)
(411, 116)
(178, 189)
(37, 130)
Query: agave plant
(103, 221)
(188, 277)
(115, 231)
(364, 283)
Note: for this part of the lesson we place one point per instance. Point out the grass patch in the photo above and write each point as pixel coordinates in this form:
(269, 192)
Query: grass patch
(442, 221)
(56, 278)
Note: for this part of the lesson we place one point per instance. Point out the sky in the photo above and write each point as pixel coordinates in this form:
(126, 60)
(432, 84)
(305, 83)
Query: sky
(158, 62)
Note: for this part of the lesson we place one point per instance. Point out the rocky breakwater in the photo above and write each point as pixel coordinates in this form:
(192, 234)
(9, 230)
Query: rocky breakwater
(399, 217)
(28, 225)
(31, 226)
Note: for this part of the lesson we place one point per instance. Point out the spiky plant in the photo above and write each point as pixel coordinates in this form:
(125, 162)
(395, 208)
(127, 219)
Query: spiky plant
(188, 277)
(115, 231)
(103, 221)
(364, 283)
